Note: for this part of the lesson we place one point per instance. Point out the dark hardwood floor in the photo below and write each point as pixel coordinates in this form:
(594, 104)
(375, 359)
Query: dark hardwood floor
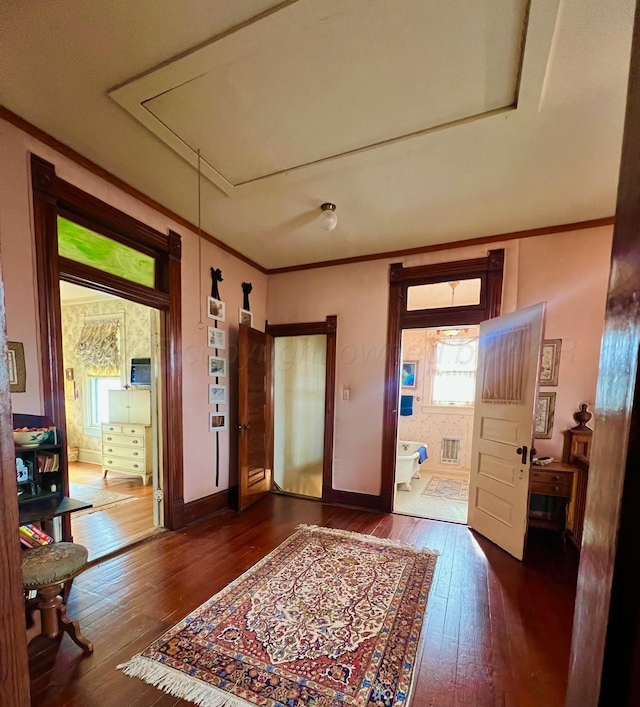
(111, 529)
(497, 632)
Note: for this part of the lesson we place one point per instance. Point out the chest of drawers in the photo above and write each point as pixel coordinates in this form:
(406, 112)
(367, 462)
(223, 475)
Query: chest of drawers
(126, 449)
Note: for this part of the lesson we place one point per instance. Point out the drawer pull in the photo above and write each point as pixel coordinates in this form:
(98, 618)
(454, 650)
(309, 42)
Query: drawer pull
(556, 488)
(556, 478)
(135, 466)
(133, 432)
(135, 441)
(111, 429)
(109, 450)
(135, 454)
(109, 462)
(109, 439)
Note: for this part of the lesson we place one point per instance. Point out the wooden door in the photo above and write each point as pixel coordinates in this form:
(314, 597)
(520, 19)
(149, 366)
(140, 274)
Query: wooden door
(506, 400)
(255, 419)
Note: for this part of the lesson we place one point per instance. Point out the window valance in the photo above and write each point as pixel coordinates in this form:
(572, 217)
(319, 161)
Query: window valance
(99, 347)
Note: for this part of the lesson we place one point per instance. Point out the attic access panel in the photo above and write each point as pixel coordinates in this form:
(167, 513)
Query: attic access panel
(315, 80)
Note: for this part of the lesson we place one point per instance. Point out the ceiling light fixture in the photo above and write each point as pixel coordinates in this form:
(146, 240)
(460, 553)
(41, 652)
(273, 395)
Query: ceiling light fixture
(449, 333)
(329, 216)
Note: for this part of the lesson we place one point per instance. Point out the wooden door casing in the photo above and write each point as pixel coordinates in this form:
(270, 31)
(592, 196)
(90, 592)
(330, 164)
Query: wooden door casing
(255, 415)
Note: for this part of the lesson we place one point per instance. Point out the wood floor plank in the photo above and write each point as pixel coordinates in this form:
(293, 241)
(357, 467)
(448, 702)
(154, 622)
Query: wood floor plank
(497, 631)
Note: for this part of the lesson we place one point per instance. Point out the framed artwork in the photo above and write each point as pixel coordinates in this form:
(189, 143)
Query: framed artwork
(544, 416)
(217, 338)
(217, 421)
(218, 366)
(217, 394)
(408, 374)
(17, 367)
(245, 317)
(550, 367)
(215, 309)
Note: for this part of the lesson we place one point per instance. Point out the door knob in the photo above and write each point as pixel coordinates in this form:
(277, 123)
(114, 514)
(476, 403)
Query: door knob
(523, 451)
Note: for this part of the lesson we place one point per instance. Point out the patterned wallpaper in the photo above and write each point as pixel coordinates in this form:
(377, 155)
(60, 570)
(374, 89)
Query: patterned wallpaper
(430, 424)
(136, 343)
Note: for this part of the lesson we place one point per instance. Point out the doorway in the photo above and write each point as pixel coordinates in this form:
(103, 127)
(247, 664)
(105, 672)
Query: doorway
(112, 383)
(435, 425)
(103, 249)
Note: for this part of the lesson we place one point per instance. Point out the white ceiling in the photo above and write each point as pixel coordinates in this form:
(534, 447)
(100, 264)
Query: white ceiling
(312, 80)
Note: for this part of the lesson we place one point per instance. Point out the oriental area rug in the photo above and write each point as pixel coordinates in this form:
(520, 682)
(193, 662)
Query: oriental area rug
(330, 618)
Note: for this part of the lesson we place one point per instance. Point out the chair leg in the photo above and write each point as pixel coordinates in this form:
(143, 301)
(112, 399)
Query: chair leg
(73, 629)
(48, 606)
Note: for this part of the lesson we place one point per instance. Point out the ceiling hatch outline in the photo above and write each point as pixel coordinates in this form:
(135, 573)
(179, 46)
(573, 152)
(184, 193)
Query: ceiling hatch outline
(138, 95)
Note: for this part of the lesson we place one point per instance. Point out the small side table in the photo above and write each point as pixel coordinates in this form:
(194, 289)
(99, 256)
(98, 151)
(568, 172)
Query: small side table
(553, 481)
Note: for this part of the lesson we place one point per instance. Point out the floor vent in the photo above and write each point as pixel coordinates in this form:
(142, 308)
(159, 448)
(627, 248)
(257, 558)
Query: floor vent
(450, 450)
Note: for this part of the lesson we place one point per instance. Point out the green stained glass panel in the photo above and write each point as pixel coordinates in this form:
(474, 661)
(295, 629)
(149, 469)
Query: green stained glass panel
(90, 248)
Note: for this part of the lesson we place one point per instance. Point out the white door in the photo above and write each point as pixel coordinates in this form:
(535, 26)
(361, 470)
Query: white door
(509, 354)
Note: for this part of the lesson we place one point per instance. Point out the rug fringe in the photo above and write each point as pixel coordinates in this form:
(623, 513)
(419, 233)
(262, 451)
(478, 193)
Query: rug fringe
(372, 539)
(177, 684)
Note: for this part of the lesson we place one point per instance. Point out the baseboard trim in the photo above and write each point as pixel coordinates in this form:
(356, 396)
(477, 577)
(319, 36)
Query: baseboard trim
(204, 507)
(356, 500)
(90, 456)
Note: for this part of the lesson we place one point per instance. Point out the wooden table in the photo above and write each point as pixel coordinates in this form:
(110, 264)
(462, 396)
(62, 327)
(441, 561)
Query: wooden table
(553, 480)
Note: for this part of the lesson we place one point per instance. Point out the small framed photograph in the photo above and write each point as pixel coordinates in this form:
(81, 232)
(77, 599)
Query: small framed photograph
(215, 309)
(544, 416)
(218, 366)
(245, 317)
(217, 394)
(217, 421)
(550, 366)
(217, 338)
(17, 367)
(408, 374)
(68, 374)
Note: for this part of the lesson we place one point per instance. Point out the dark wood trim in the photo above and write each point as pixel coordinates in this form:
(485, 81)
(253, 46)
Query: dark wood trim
(330, 328)
(483, 240)
(51, 195)
(171, 334)
(86, 276)
(357, 500)
(490, 270)
(204, 507)
(605, 650)
(304, 329)
(92, 167)
(14, 674)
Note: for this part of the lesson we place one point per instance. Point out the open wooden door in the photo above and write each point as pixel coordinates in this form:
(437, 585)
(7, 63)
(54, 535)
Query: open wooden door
(506, 398)
(255, 419)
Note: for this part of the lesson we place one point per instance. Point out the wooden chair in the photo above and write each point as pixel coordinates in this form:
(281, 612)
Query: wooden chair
(47, 569)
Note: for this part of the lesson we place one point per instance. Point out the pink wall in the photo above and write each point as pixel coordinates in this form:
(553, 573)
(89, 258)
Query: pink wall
(569, 270)
(17, 256)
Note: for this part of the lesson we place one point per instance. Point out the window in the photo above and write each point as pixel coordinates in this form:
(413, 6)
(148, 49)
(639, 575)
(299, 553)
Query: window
(98, 398)
(454, 377)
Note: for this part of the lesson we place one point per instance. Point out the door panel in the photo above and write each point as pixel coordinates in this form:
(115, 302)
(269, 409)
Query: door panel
(255, 417)
(506, 394)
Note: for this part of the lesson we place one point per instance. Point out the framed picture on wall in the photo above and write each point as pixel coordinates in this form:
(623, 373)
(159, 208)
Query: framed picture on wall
(217, 394)
(217, 366)
(215, 309)
(245, 317)
(217, 338)
(217, 421)
(17, 367)
(408, 374)
(550, 366)
(544, 416)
